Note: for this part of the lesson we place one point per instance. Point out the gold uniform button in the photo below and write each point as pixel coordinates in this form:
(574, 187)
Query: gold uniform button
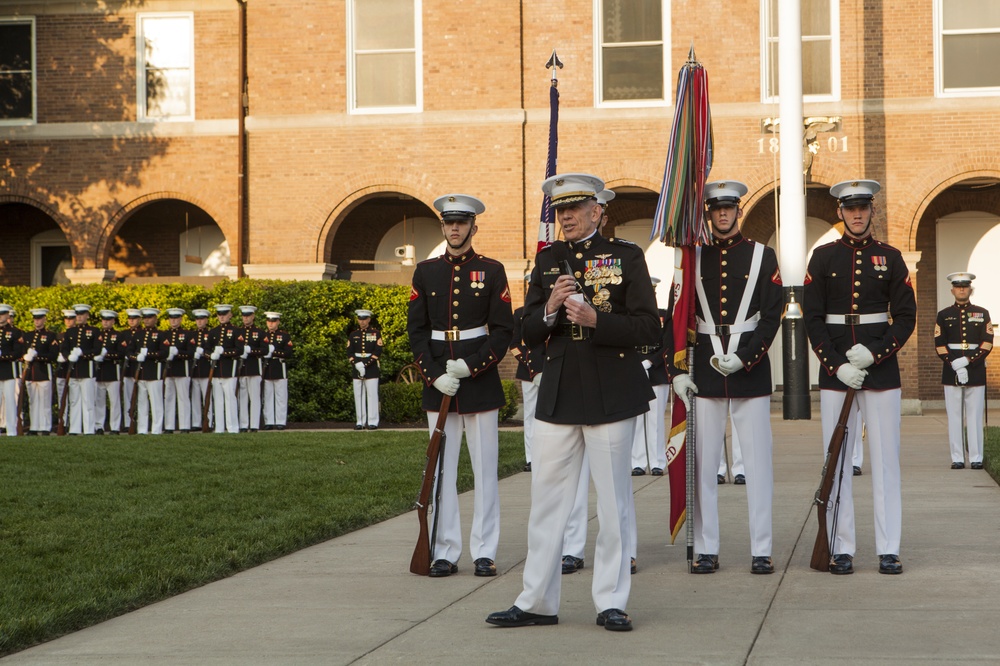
(723, 313)
(858, 261)
(454, 316)
(457, 291)
(577, 275)
(853, 307)
(857, 283)
(724, 263)
(456, 278)
(725, 251)
(723, 287)
(856, 295)
(579, 256)
(724, 300)
(621, 355)
(858, 272)
(724, 274)
(454, 302)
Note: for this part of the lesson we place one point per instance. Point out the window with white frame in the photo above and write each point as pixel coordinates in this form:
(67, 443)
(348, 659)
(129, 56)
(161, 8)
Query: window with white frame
(384, 68)
(165, 57)
(17, 70)
(632, 52)
(820, 23)
(967, 47)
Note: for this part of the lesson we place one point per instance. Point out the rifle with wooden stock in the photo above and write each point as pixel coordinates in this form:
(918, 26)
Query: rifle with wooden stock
(420, 563)
(832, 468)
(22, 403)
(133, 407)
(61, 423)
(208, 397)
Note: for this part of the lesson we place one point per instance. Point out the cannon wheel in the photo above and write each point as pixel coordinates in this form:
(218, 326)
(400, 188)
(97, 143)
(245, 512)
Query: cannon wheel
(408, 374)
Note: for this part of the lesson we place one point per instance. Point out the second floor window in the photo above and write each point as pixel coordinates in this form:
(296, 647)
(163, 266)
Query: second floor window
(385, 62)
(17, 71)
(632, 52)
(820, 50)
(165, 57)
(968, 47)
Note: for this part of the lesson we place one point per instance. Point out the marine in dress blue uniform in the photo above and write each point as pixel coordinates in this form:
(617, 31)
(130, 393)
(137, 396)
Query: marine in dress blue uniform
(250, 378)
(12, 349)
(41, 349)
(228, 351)
(364, 347)
(280, 350)
(963, 338)
(107, 402)
(79, 347)
(738, 313)
(593, 386)
(460, 325)
(133, 323)
(859, 311)
(149, 348)
(177, 377)
(201, 366)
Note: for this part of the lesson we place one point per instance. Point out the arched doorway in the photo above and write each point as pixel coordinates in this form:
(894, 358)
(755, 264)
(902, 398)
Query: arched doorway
(33, 249)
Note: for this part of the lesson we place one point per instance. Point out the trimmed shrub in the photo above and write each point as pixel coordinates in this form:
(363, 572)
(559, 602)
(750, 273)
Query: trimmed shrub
(512, 394)
(401, 403)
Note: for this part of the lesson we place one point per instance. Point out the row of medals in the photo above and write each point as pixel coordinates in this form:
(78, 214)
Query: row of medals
(598, 276)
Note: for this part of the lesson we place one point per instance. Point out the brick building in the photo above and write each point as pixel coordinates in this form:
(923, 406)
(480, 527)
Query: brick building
(131, 147)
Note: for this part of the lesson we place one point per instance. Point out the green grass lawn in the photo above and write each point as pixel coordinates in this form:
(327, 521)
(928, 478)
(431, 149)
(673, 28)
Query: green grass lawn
(991, 452)
(93, 527)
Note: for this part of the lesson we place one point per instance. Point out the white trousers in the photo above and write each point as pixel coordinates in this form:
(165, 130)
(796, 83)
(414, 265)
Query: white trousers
(975, 399)
(555, 478)
(857, 434)
(529, 395)
(752, 420)
(276, 402)
(250, 403)
(8, 400)
(150, 402)
(366, 402)
(40, 403)
(128, 384)
(649, 444)
(225, 405)
(60, 389)
(575, 536)
(482, 438)
(737, 452)
(881, 413)
(177, 403)
(105, 395)
(80, 410)
(199, 387)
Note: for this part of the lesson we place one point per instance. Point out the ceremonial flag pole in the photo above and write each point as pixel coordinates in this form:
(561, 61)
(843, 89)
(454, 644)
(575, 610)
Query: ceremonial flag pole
(547, 219)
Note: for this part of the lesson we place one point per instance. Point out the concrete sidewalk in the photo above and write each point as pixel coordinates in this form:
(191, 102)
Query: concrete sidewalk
(352, 601)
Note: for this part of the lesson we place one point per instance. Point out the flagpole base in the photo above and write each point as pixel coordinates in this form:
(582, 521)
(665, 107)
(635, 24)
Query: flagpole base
(796, 403)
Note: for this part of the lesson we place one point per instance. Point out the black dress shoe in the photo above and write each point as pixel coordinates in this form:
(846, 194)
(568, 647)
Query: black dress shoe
(373, 427)
(889, 564)
(527, 467)
(976, 465)
(739, 480)
(633, 568)
(960, 465)
(485, 567)
(857, 470)
(761, 564)
(657, 471)
(721, 478)
(638, 471)
(841, 565)
(571, 564)
(359, 427)
(442, 568)
(705, 564)
(614, 620)
(515, 617)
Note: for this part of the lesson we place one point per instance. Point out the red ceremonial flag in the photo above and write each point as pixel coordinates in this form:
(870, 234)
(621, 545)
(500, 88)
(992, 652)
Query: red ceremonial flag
(684, 333)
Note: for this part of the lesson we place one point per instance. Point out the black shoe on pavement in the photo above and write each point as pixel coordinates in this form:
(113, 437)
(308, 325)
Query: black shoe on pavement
(722, 479)
(614, 620)
(960, 465)
(633, 568)
(638, 471)
(485, 567)
(761, 564)
(739, 480)
(857, 470)
(359, 427)
(657, 471)
(527, 467)
(705, 564)
(442, 568)
(515, 617)
(373, 427)
(976, 465)
(571, 564)
(889, 564)
(841, 565)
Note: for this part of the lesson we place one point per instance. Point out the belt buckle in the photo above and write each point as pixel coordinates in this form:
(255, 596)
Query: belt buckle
(451, 335)
(852, 319)
(576, 332)
(965, 345)
(722, 329)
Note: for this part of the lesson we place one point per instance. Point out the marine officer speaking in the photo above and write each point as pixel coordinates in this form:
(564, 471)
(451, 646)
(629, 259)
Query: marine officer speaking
(963, 338)
(852, 286)
(592, 300)
(460, 325)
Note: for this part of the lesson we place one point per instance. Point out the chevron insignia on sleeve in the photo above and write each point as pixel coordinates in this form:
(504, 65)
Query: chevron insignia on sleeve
(413, 294)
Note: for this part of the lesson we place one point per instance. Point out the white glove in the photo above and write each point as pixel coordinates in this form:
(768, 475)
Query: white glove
(963, 375)
(75, 354)
(730, 363)
(851, 376)
(61, 358)
(100, 357)
(683, 384)
(141, 356)
(270, 351)
(959, 363)
(30, 355)
(860, 357)
(216, 354)
(198, 353)
(172, 354)
(447, 384)
(537, 379)
(360, 367)
(646, 365)
(458, 369)
(246, 351)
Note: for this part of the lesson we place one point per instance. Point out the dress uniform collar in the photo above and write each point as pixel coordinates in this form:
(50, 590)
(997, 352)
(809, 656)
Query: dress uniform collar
(459, 259)
(962, 306)
(857, 242)
(727, 242)
(584, 244)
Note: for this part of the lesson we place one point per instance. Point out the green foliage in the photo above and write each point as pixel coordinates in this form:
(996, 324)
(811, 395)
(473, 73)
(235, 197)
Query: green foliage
(991, 452)
(401, 403)
(512, 396)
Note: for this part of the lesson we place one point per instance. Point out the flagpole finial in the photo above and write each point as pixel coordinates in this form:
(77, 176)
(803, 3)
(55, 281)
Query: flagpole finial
(553, 63)
(691, 59)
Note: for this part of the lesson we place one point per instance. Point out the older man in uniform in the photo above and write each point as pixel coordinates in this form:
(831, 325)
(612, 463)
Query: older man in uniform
(12, 349)
(79, 347)
(201, 365)
(364, 346)
(280, 350)
(107, 400)
(738, 307)
(963, 338)
(592, 299)
(228, 345)
(460, 326)
(852, 288)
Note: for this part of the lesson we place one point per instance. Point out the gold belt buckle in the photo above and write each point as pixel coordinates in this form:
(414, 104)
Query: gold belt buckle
(965, 345)
(576, 331)
(451, 335)
(852, 319)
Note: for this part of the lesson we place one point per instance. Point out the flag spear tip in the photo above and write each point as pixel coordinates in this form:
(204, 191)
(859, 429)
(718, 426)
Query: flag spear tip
(691, 57)
(554, 62)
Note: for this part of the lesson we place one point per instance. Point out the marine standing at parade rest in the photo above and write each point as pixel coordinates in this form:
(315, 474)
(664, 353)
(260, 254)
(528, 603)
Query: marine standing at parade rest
(738, 308)
(201, 365)
(460, 325)
(42, 347)
(280, 350)
(592, 300)
(177, 379)
(364, 346)
(530, 362)
(253, 350)
(12, 349)
(963, 338)
(859, 311)
(133, 321)
(227, 344)
(79, 347)
(62, 365)
(150, 349)
(107, 400)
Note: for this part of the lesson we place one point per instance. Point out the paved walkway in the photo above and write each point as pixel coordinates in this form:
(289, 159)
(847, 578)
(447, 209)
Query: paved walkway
(351, 600)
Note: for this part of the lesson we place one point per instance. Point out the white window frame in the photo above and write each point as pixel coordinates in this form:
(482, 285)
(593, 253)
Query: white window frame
(668, 90)
(7, 122)
(418, 53)
(49, 238)
(834, 95)
(140, 65)
(939, 32)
